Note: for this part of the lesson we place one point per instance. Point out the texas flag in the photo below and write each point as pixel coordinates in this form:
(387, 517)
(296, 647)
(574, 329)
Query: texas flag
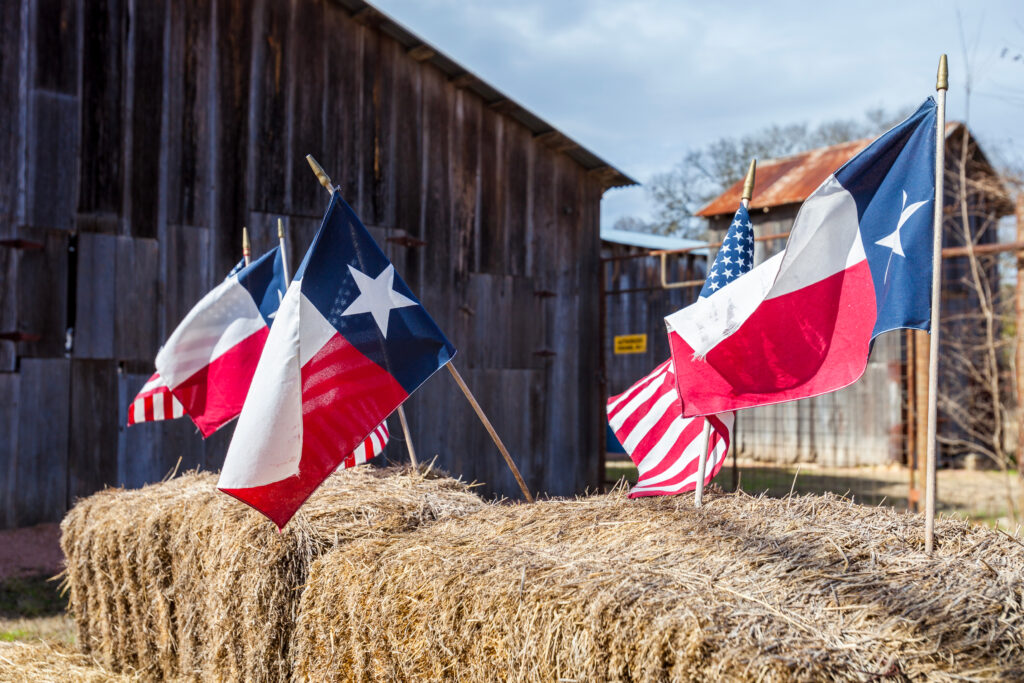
(858, 263)
(350, 343)
(208, 361)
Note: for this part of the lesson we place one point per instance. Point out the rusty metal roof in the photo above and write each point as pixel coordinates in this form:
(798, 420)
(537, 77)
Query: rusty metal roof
(791, 180)
(369, 15)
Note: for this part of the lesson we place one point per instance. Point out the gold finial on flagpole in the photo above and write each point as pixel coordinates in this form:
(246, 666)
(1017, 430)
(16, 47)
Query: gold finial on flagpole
(748, 184)
(942, 80)
(280, 229)
(324, 179)
(246, 247)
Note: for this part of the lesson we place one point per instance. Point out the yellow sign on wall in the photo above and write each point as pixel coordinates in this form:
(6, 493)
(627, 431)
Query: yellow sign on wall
(630, 343)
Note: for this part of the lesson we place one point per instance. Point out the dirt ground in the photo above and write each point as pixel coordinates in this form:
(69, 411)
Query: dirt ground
(30, 551)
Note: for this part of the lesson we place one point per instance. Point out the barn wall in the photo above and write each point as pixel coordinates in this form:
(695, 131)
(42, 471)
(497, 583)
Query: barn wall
(137, 137)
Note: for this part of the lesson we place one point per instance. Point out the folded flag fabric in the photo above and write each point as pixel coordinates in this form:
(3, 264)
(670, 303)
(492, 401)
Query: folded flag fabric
(154, 402)
(858, 263)
(370, 448)
(350, 343)
(209, 360)
(648, 418)
(665, 447)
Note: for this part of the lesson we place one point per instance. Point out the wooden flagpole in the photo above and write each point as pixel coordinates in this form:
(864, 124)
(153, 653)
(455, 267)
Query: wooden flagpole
(702, 456)
(246, 248)
(490, 430)
(941, 86)
(325, 180)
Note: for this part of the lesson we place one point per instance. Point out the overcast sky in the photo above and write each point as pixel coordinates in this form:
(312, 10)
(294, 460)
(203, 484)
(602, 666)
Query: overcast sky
(638, 82)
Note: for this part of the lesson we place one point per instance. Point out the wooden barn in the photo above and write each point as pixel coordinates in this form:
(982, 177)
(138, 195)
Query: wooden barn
(138, 137)
(874, 421)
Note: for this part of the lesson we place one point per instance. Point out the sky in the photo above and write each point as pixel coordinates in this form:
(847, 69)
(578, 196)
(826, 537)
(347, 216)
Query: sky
(640, 82)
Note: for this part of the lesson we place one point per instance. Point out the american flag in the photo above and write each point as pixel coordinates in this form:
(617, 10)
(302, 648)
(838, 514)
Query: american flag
(154, 402)
(648, 417)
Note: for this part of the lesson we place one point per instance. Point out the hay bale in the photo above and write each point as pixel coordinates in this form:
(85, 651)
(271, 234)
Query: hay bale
(42, 661)
(178, 580)
(603, 588)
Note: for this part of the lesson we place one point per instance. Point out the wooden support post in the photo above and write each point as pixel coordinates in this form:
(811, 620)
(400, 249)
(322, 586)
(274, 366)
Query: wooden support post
(490, 430)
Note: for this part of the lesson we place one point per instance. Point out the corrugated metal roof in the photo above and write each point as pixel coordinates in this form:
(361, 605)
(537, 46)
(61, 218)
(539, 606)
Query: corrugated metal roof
(369, 15)
(791, 180)
(646, 240)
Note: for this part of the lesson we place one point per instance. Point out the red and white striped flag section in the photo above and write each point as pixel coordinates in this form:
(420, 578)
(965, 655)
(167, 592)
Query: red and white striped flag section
(154, 402)
(648, 421)
(648, 418)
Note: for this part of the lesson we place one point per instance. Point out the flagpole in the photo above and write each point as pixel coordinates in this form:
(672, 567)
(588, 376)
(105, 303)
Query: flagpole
(325, 180)
(246, 248)
(284, 253)
(941, 86)
(490, 430)
(702, 456)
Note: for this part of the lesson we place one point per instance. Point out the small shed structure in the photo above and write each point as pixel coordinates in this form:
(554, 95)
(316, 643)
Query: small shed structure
(138, 137)
(636, 303)
(874, 420)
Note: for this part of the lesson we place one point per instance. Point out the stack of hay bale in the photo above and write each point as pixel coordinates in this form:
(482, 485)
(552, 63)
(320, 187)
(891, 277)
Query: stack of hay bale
(603, 588)
(179, 580)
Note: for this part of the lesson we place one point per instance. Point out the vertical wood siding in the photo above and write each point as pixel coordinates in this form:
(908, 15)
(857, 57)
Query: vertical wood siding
(137, 137)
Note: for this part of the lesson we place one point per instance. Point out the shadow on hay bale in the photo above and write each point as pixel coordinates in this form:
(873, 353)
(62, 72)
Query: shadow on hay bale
(179, 580)
(603, 588)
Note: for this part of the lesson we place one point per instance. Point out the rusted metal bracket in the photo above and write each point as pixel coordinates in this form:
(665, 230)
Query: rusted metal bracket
(22, 244)
(407, 241)
(544, 293)
(665, 284)
(20, 336)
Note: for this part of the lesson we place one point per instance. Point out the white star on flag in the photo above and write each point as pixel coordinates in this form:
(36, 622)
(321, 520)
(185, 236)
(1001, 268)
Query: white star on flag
(377, 296)
(892, 240)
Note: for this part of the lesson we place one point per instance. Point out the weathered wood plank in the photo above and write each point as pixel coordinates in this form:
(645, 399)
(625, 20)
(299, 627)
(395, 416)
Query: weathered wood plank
(268, 123)
(92, 432)
(233, 63)
(516, 164)
(137, 308)
(10, 384)
(53, 146)
(190, 175)
(407, 145)
(343, 111)
(101, 170)
(493, 241)
(95, 296)
(145, 60)
(42, 293)
(55, 44)
(186, 255)
(11, 107)
(36, 488)
(306, 94)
